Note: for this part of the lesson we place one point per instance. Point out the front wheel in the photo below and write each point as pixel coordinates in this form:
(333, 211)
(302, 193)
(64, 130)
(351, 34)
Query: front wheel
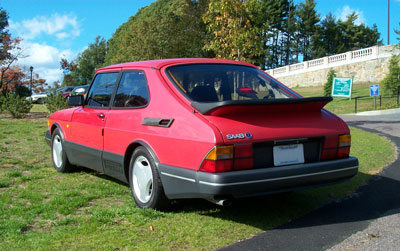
(144, 181)
(59, 157)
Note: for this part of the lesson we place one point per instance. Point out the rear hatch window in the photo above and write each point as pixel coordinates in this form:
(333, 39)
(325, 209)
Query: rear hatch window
(224, 82)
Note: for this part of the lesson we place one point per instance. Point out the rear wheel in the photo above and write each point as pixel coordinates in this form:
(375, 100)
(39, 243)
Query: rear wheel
(39, 101)
(144, 181)
(59, 157)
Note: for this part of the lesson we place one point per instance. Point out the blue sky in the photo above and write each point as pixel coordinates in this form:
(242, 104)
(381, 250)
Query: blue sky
(52, 29)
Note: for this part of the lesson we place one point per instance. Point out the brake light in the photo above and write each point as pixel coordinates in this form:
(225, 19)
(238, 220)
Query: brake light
(336, 147)
(228, 158)
(219, 159)
(243, 157)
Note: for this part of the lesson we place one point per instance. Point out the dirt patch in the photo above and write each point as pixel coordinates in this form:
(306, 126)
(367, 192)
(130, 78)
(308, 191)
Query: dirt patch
(30, 116)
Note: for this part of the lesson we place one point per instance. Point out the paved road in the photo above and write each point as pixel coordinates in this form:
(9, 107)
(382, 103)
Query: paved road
(369, 219)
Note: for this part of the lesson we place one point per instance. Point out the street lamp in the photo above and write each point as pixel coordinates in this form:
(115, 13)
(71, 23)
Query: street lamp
(31, 69)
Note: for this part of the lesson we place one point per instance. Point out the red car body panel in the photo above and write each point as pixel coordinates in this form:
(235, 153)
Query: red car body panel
(182, 146)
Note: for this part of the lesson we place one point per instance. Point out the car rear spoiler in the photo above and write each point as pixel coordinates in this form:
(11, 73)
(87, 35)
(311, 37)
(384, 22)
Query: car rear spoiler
(261, 106)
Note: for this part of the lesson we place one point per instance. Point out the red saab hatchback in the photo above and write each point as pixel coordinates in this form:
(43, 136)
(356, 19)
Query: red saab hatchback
(200, 128)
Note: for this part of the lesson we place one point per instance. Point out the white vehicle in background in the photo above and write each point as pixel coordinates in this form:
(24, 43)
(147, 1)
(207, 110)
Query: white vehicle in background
(38, 98)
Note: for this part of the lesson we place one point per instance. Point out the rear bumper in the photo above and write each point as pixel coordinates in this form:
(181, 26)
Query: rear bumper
(180, 183)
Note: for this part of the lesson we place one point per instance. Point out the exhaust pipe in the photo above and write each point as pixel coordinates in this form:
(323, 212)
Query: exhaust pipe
(222, 202)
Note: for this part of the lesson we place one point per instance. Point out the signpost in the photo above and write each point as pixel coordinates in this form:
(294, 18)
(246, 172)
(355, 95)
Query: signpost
(341, 87)
(374, 92)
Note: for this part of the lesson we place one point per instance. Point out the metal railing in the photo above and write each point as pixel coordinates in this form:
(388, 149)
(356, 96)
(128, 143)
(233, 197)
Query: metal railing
(356, 99)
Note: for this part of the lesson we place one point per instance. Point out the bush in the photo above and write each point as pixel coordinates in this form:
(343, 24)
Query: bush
(17, 106)
(23, 91)
(391, 83)
(56, 102)
(328, 83)
(2, 100)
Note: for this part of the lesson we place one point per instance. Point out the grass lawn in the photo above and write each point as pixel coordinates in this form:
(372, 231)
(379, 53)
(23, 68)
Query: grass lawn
(345, 105)
(43, 209)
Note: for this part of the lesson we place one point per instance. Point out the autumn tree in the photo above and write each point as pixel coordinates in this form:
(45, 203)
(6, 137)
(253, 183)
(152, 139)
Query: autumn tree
(231, 24)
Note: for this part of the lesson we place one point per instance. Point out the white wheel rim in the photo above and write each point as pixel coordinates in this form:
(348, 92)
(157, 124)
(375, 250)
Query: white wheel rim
(57, 151)
(142, 178)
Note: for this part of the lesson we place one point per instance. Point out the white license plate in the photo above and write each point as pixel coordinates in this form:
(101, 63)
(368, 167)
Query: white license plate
(288, 154)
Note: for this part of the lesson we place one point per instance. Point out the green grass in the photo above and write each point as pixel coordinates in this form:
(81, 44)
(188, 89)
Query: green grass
(39, 108)
(43, 209)
(345, 105)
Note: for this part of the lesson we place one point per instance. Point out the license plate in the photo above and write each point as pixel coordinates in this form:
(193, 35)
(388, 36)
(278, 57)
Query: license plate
(288, 154)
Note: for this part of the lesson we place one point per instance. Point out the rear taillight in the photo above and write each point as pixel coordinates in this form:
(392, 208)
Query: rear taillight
(228, 158)
(243, 158)
(336, 147)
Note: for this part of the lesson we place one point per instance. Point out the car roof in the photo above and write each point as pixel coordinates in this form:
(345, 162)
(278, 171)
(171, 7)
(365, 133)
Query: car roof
(158, 64)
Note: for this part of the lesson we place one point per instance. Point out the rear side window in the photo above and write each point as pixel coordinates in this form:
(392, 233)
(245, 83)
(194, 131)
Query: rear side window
(132, 90)
(102, 88)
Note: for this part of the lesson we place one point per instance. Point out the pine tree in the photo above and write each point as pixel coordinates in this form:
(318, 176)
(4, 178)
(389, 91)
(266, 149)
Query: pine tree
(328, 83)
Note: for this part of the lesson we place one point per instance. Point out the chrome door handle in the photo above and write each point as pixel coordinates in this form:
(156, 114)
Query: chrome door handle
(101, 115)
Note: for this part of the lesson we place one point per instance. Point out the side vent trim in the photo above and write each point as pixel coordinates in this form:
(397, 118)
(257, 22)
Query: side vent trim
(161, 122)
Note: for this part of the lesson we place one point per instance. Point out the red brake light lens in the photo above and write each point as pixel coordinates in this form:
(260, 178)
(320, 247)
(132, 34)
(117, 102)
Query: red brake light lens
(336, 147)
(228, 158)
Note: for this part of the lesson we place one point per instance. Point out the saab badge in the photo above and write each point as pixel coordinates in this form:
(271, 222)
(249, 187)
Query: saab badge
(248, 135)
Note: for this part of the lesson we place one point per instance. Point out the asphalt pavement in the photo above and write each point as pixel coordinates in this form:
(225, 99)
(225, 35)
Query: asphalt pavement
(368, 219)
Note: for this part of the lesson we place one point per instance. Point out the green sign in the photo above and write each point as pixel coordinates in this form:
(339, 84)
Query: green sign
(341, 87)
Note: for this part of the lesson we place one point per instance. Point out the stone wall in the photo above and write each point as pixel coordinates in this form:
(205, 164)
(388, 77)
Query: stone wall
(371, 70)
(368, 71)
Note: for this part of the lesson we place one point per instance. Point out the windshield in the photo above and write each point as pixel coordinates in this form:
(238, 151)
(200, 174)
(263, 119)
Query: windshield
(224, 82)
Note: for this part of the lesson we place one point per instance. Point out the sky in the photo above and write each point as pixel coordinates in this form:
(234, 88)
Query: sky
(55, 29)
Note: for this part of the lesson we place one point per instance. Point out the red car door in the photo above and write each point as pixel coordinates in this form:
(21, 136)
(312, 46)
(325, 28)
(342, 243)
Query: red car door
(87, 123)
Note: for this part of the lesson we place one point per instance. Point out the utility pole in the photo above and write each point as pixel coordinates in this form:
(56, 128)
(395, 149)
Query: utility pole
(388, 21)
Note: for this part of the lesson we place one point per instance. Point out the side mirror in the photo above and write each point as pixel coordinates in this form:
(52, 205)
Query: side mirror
(75, 100)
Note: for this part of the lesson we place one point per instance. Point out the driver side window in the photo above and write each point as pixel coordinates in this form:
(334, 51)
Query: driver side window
(102, 88)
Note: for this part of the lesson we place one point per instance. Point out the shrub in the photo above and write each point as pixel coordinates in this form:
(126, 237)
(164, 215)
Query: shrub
(2, 100)
(17, 106)
(23, 91)
(328, 83)
(391, 83)
(56, 102)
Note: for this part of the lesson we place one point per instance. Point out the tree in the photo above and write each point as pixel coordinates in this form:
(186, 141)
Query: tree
(308, 18)
(89, 60)
(326, 38)
(165, 29)
(391, 83)
(231, 26)
(16, 80)
(9, 53)
(69, 70)
(328, 83)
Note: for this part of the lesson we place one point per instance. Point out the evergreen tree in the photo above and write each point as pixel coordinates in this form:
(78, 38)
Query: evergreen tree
(328, 83)
(391, 83)
(308, 18)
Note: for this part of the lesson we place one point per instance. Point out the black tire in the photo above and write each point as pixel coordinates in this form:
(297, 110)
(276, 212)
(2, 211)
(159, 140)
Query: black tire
(58, 155)
(39, 101)
(146, 195)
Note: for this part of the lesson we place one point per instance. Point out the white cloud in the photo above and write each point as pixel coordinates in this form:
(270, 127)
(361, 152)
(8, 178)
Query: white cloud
(346, 10)
(60, 26)
(45, 59)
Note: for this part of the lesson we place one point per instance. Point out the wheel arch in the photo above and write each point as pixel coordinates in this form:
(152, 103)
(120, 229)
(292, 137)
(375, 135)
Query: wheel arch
(129, 152)
(56, 126)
